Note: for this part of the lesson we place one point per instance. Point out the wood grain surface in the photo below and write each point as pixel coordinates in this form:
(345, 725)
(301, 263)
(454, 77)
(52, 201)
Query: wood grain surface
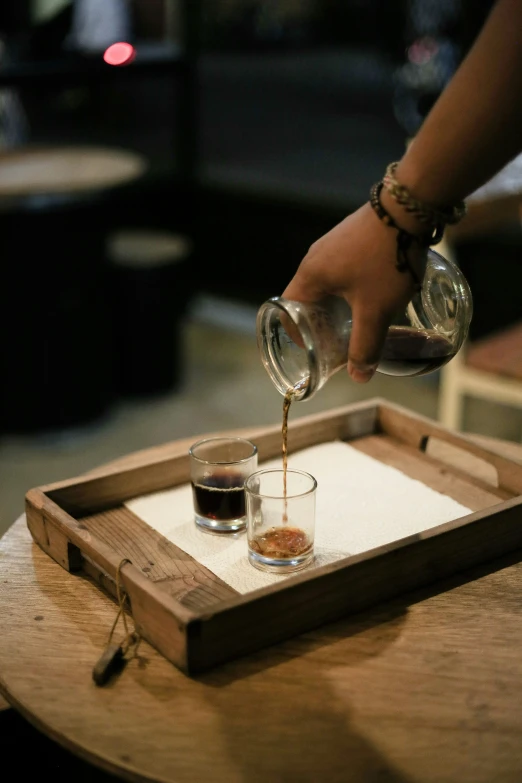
(424, 689)
(427, 689)
(165, 564)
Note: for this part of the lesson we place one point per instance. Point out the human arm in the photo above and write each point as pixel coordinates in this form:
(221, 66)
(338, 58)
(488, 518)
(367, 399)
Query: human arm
(473, 130)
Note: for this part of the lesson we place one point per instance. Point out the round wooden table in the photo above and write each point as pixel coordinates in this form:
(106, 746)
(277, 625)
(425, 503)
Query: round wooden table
(426, 688)
(66, 170)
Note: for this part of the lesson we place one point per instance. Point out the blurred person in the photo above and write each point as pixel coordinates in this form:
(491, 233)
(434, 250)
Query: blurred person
(14, 129)
(96, 24)
(66, 27)
(473, 130)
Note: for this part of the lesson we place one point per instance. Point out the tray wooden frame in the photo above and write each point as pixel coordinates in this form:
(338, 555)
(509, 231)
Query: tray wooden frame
(197, 621)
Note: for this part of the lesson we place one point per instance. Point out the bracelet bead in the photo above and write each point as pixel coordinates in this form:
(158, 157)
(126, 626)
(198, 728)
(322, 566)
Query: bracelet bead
(425, 213)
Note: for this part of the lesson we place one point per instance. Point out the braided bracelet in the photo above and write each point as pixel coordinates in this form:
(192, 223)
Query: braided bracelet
(404, 238)
(424, 212)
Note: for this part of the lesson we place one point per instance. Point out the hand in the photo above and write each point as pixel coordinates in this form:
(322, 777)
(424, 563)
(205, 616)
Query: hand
(357, 260)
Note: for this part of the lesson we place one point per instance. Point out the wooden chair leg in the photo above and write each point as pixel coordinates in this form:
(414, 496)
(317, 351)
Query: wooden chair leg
(451, 397)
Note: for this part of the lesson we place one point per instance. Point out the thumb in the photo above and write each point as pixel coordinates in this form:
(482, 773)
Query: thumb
(303, 288)
(369, 328)
(299, 289)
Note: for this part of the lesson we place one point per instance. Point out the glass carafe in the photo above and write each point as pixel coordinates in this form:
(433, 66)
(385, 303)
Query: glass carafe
(302, 345)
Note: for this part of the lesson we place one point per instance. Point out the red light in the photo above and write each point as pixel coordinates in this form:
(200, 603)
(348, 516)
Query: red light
(119, 54)
(422, 51)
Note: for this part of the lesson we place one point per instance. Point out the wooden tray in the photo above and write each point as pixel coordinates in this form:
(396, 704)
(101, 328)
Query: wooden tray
(196, 620)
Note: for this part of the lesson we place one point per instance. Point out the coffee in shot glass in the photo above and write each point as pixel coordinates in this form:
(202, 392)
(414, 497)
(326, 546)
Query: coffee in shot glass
(219, 468)
(280, 525)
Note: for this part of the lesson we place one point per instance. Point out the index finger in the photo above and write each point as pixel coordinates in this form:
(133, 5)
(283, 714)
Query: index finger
(303, 288)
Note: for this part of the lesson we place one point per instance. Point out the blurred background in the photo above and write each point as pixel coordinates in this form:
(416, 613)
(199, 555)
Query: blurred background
(153, 194)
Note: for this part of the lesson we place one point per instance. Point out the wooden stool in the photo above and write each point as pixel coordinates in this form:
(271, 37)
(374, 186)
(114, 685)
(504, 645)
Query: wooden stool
(150, 292)
(54, 308)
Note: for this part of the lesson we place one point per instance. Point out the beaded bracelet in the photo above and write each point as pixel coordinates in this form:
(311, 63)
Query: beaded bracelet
(424, 212)
(404, 238)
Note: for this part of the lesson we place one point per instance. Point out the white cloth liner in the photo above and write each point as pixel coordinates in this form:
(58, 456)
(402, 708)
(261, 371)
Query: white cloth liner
(361, 504)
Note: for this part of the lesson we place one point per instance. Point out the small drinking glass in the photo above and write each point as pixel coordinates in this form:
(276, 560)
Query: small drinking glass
(280, 529)
(218, 470)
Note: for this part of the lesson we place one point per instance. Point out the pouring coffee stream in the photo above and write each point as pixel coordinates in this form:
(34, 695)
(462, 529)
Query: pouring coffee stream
(289, 396)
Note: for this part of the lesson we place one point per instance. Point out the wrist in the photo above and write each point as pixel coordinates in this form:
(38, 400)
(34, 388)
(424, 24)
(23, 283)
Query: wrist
(405, 240)
(404, 219)
(421, 182)
(425, 212)
(408, 173)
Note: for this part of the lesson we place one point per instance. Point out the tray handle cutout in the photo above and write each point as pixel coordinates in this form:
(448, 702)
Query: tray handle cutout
(460, 458)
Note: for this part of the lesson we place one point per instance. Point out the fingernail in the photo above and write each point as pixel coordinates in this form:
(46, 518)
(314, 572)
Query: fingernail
(361, 373)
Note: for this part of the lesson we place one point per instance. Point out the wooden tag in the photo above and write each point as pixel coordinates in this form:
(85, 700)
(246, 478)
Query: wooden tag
(111, 662)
